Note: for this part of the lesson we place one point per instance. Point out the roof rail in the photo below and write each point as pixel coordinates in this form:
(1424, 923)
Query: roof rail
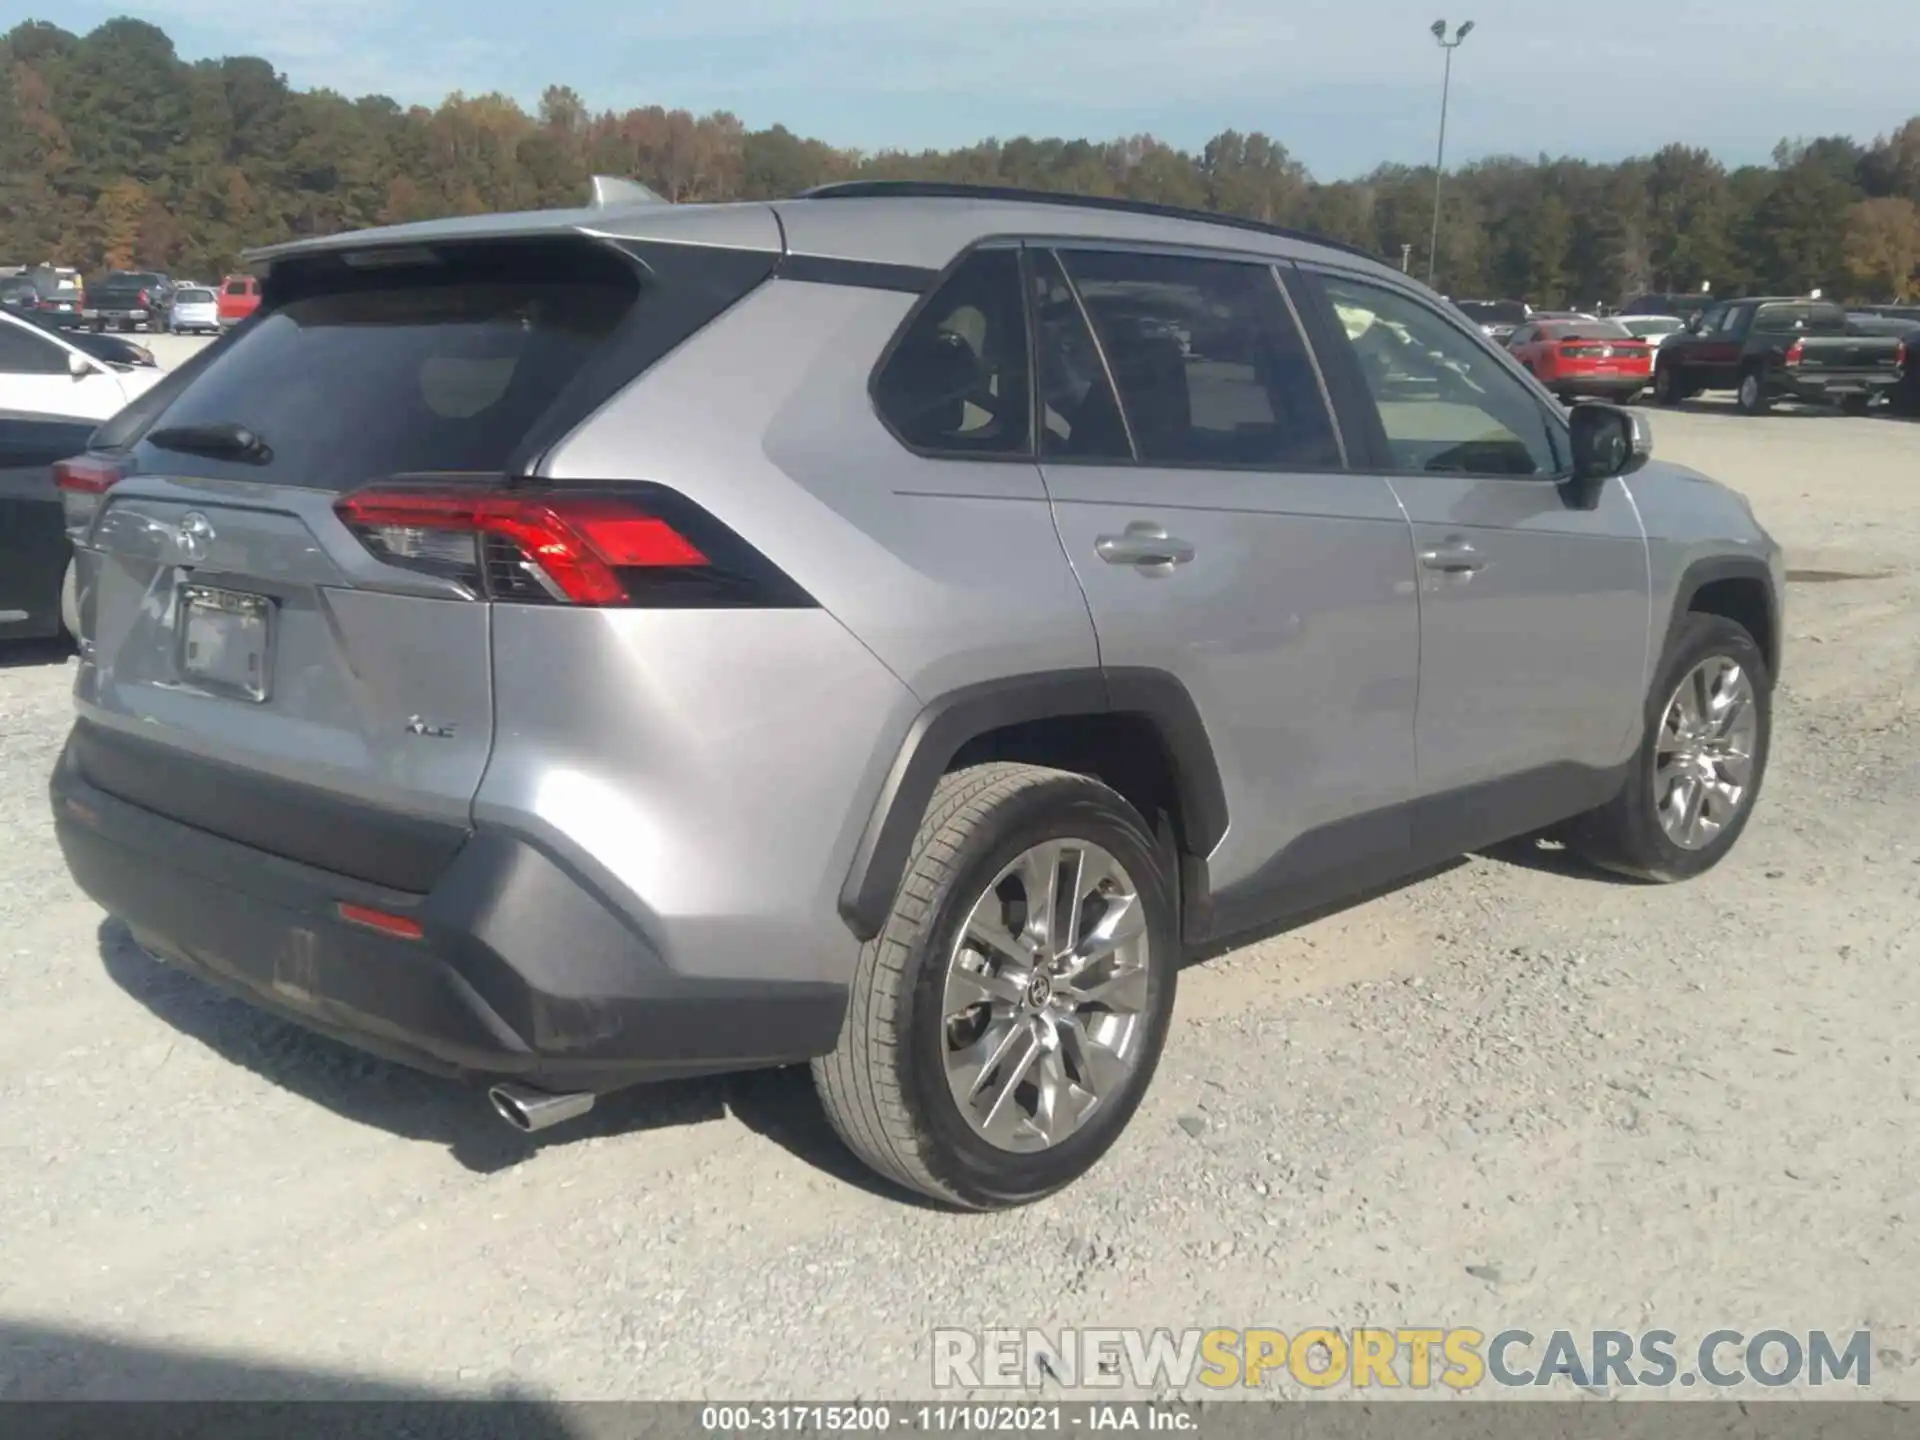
(942, 190)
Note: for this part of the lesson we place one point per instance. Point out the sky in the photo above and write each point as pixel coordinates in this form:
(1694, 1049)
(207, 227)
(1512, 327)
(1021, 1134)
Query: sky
(1345, 86)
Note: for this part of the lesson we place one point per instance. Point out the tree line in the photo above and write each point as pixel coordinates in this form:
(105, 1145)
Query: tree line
(116, 153)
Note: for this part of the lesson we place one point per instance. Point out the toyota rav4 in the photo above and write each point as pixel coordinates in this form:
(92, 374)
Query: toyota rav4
(888, 629)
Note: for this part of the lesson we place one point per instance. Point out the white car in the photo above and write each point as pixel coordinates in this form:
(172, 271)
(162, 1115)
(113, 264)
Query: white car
(43, 374)
(1656, 328)
(195, 309)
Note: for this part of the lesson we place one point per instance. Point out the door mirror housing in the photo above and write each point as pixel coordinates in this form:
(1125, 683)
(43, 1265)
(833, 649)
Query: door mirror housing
(1608, 440)
(78, 366)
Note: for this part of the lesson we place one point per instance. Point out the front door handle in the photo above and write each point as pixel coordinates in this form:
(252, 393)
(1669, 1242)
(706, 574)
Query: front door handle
(1144, 544)
(1455, 558)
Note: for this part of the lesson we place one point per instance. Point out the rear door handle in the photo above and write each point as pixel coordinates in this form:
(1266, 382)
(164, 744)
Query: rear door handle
(1145, 544)
(1455, 558)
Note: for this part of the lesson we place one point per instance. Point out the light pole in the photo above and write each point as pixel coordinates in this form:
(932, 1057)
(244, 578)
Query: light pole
(1440, 160)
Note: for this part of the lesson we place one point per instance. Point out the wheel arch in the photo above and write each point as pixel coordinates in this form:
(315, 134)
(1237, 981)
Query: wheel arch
(1738, 588)
(1093, 721)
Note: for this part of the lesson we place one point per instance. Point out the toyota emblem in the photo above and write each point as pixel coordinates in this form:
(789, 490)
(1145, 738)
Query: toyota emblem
(195, 537)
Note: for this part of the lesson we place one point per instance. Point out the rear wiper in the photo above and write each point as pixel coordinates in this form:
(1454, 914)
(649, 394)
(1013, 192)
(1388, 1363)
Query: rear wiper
(221, 441)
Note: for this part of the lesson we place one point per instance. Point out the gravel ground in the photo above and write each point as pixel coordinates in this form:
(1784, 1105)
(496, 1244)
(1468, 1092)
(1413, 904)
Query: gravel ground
(1509, 1095)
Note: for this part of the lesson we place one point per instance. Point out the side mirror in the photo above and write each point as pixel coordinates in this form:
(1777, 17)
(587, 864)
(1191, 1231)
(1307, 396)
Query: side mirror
(78, 366)
(1608, 440)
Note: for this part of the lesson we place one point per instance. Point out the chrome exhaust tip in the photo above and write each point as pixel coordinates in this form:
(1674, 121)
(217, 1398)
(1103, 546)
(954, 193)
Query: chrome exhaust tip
(529, 1110)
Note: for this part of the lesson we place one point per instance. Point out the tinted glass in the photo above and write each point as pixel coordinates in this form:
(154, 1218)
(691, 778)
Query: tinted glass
(1591, 330)
(401, 371)
(236, 287)
(1445, 403)
(193, 297)
(1078, 418)
(24, 353)
(957, 380)
(1804, 319)
(1210, 367)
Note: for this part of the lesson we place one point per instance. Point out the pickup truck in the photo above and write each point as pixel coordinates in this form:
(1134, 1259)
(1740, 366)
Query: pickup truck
(1778, 348)
(128, 298)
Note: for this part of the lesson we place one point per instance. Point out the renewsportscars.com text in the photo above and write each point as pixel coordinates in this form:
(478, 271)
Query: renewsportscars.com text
(1416, 1358)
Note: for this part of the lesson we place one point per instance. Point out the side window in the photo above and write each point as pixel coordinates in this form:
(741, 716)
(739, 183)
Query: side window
(1210, 366)
(1079, 418)
(1445, 404)
(1737, 319)
(1522, 336)
(22, 353)
(956, 383)
(1711, 322)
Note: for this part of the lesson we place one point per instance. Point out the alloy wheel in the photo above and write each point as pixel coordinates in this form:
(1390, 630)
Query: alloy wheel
(1043, 1014)
(1703, 759)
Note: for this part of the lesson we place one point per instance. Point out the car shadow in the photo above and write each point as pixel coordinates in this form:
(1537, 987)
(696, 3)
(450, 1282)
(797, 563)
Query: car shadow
(1299, 919)
(1727, 410)
(1551, 857)
(22, 654)
(69, 1383)
(777, 1105)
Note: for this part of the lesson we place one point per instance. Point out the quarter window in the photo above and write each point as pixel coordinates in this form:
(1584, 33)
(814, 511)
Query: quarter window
(1209, 364)
(1445, 402)
(956, 383)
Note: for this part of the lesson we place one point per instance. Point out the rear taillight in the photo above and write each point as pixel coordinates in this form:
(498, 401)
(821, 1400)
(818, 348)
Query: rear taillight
(1900, 355)
(143, 298)
(1796, 352)
(81, 482)
(626, 545)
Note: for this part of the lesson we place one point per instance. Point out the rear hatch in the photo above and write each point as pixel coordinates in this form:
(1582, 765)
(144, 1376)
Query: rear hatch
(1841, 353)
(256, 668)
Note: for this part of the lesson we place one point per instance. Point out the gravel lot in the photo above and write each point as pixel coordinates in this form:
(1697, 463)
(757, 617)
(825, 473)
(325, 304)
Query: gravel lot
(1509, 1095)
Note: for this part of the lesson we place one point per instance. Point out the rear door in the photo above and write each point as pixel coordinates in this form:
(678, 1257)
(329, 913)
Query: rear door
(234, 615)
(1220, 537)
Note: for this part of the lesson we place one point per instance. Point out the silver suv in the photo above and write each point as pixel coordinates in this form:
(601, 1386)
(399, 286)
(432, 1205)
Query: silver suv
(890, 629)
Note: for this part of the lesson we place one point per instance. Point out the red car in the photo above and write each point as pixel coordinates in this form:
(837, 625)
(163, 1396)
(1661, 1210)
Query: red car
(239, 298)
(1600, 359)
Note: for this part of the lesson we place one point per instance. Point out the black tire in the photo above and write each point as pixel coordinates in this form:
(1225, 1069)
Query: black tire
(1752, 397)
(1625, 835)
(884, 1087)
(1667, 389)
(1855, 404)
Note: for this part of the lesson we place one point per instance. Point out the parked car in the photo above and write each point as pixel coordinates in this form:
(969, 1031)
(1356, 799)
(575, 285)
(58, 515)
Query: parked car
(1778, 348)
(195, 310)
(1903, 323)
(38, 595)
(1600, 358)
(19, 294)
(239, 298)
(1654, 329)
(1497, 319)
(128, 299)
(61, 296)
(1088, 653)
(45, 373)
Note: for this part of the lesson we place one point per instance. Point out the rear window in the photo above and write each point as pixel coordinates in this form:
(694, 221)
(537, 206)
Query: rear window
(368, 375)
(193, 297)
(239, 287)
(1589, 330)
(1802, 319)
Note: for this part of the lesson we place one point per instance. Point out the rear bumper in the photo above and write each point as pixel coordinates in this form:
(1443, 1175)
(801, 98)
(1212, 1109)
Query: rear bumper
(522, 969)
(1599, 384)
(1817, 387)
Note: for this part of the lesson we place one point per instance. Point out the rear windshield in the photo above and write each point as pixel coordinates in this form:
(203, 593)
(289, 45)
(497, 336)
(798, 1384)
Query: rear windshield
(400, 371)
(1661, 325)
(193, 297)
(1588, 330)
(1809, 319)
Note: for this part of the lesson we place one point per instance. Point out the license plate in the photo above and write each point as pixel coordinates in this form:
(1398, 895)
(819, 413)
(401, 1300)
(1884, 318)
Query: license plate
(226, 641)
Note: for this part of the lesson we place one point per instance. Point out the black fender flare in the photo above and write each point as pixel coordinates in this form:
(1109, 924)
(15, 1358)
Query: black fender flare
(1709, 569)
(948, 723)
